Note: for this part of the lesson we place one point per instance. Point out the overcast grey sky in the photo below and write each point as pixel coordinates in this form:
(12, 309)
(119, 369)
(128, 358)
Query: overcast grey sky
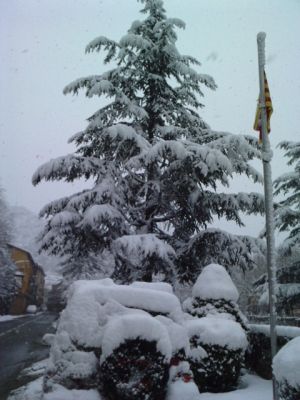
(42, 50)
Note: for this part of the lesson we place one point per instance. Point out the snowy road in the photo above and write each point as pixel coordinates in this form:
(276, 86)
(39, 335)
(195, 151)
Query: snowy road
(20, 346)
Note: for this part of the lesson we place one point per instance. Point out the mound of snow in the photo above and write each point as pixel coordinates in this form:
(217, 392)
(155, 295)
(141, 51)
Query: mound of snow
(216, 331)
(143, 298)
(214, 282)
(286, 363)
(180, 390)
(161, 286)
(92, 303)
(177, 333)
(181, 385)
(130, 327)
(60, 393)
(48, 339)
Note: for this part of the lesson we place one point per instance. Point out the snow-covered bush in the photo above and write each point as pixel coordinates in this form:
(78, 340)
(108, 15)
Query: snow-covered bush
(287, 213)
(214, 294)
(217, 352)
(179, 339)
(181, 384)
(259, 355)
(69, 366)
(112, 322)
(136, 352)
(286, 368)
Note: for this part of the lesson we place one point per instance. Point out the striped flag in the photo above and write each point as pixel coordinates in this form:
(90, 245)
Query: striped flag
(269, 109)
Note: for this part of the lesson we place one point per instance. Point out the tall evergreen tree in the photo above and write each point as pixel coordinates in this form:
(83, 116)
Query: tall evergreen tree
(155, 164)
(287, 218)
(287, 214)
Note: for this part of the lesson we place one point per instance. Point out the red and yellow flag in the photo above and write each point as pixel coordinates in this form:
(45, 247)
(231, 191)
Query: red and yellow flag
(269, 109)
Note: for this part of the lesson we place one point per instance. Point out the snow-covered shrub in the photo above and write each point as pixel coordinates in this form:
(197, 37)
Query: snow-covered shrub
(259, 355)
(214, 293)
(136, 352)
(286, 368)
(179, 339)
(69, 366)
(181, 385)
(113, 322)
(217, 352)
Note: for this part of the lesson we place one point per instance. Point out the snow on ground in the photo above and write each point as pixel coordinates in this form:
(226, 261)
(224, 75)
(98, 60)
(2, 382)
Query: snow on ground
(181, 386)
(61, 393)
(252, 388)
(4, 318)
(32, 391)
(35, 370)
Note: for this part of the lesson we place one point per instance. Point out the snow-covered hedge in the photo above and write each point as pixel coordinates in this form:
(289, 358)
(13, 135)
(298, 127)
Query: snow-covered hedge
(215, 294)
(217, 352)
(178, 337)
(124, 339)
(104, 322)
(214, 282)
(258, 356)
(70, 366)
(91, 303)
(181, 383)
(286, 368)
(136, 352)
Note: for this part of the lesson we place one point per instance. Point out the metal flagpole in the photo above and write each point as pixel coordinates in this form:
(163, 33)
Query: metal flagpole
(268, 191)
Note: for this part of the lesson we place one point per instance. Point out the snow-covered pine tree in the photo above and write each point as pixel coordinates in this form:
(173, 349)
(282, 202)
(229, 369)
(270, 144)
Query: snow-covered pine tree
(287, 215)
(156, 165)
(7, 267)
(287, 218)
